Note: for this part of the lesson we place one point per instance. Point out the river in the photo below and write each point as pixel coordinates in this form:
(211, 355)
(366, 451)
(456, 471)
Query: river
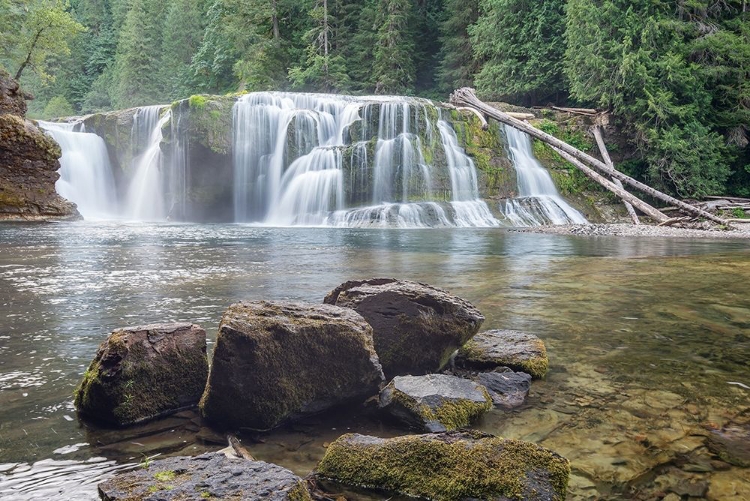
(645, 338)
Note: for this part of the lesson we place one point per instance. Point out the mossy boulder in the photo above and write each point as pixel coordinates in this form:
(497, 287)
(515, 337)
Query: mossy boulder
(519, 351)
(142, 373)
(435, 402)
(208, 476)
(279, 361)
(416, 327)
(449, 466)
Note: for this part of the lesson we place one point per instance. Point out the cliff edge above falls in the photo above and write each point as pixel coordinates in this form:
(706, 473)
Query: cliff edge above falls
(28, 163)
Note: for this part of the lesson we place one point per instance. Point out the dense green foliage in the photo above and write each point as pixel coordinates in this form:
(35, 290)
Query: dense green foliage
(675, 72)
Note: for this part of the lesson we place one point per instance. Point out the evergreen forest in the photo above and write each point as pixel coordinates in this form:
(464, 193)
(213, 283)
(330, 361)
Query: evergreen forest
(674, 74)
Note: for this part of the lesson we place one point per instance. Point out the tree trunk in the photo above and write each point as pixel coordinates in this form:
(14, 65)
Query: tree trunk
(608, 161)
(466, 97)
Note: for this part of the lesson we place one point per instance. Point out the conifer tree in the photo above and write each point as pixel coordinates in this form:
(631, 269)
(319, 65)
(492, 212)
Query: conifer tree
(183, 32)
(394, 70)
(457, 65)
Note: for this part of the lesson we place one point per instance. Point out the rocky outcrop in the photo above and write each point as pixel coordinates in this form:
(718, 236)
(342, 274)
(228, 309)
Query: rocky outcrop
(505, 348)
(278, 361)
(448, 466)
(208, 476)
(141, 373)
(416, 327)
(28, 163)
(508, 389)
(435, 402)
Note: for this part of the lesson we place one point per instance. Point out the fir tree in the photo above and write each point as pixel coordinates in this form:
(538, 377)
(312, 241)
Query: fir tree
(183, 32)
(457, 65)
(393, 70)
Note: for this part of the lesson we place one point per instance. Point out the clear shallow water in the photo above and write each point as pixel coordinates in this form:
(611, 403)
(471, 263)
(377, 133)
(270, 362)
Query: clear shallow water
(644, 336)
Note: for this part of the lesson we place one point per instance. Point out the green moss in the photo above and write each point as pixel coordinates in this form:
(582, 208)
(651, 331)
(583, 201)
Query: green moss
(461, 466)
(299, 493)
(165, 476)
(452, 414)
(198, 102)
(536, 366)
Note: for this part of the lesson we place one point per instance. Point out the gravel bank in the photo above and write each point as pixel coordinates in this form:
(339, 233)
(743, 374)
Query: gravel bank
(629, 230)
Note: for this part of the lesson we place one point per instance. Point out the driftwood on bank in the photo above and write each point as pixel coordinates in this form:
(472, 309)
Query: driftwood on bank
(466, 97)
(608, 161)
(578, 111)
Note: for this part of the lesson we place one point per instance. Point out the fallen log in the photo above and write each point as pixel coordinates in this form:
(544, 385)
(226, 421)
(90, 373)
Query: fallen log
(580, 111)
(466, 97)
(608, 161)
(674, 220)
(617, 190)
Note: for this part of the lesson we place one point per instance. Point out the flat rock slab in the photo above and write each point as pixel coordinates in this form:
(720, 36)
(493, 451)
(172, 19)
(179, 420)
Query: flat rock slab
(505, 348)
(208, 476)
(277, 361)
(435, 402)
(508, 389)
(141, 373)
(731, 443)
(416, 327)
(449, 466)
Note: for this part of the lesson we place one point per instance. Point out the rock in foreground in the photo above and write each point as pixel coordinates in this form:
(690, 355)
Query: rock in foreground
(732, 443)
(416, 327)
(208, 476)
(448, 467)
(435, 402)
(503, 348)
(278, 361)
(508, 389)
(141, 373)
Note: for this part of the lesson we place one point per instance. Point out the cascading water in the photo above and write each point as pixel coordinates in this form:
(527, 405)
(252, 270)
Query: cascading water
(145, 198)
(538, 202)
(85, 172)
(307, 159)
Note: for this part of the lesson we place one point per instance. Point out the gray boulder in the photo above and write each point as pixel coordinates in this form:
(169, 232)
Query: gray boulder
(416, 327)
(279, 361)
(505, 348)
(435, 402)
(142, 373)
(449, 466)
(208, 476)
(508, 389)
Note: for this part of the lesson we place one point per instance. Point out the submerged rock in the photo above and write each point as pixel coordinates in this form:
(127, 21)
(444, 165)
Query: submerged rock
(278, 361)
(448, 467)
(732, 443)
(508, 389)
(416, 327)
(436, 402)
(141, 373)
(504, 348)
(208, 476)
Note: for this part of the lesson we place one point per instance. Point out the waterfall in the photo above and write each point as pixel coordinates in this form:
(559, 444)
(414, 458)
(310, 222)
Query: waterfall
(85, 172)
(145, 197)
(314, 159)
(538, 202)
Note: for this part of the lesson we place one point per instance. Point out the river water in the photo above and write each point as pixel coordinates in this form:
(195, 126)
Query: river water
(645, 338)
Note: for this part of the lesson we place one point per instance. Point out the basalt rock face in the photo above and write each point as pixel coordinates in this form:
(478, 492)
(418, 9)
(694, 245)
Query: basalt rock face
(416, 327)
(277, 361)
(141, 373)
(454, 466)
(28, 163)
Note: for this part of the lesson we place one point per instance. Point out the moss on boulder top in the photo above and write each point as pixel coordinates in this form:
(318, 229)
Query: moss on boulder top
(505, 348)
(448, 467)
(276, 361)
(141, 373)
(205, 119)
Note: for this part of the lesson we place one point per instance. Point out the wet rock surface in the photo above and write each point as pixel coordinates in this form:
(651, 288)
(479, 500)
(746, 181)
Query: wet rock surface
(141, 373)
(448, 466)
(732, 443)
(28, 163)
(278, 361)
(416, 327)
(208, 476)
(508, 389)
(505, 348)
(435, 402)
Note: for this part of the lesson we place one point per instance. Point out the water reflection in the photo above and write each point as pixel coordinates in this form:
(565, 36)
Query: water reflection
(628, 323)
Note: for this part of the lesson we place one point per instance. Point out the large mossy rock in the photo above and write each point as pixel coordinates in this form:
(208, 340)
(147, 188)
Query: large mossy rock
(141, 373)
(416, 327)
(208, 476)
(278, 361)
(435, 402)
(449, 466)
(505, 348)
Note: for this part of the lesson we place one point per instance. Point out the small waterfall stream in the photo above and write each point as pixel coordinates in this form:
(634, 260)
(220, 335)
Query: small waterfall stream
(145, 197)
(538, 202)
(85, 172)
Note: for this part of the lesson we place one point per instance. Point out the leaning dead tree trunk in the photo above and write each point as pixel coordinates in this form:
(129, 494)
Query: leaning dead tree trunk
(466, 97)
(608, 161)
